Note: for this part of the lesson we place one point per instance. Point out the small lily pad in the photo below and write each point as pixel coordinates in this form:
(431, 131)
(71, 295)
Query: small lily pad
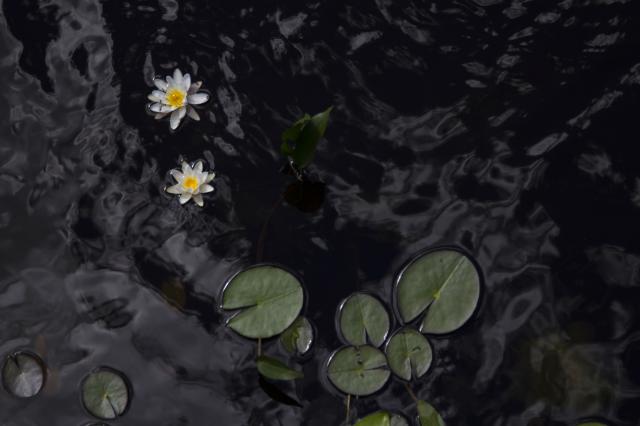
(363, 319)
(273, 369)
(409, 354)
(359, 370)
(380, 418)
(23, 374)
(105, 394)
(397, 420)
(428, 416)
(268, 297)
(444, 281)
(297, 339)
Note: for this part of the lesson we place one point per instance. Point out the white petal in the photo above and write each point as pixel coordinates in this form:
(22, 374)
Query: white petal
(210, 177)
(184, 198)
(191, 112)
(175, 189)
(186, 168)
(170, 82)
(197, 98)
(198, 167)
(176, 116)
(155, 107)
(177, 175)
(154, 98)
(198, 199)
(186, 82)
(161, 115)
(206, 188)
(159, 94)
(160, 84)
(177, 77)
(194, 87)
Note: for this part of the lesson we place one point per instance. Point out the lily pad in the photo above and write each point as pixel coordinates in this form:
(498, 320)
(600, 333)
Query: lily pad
(359, 370)
(444, 281)
(380, 418)
(409, 354)
(23, 375)
(397, 420)
(268, 297)
(298, 337)
(363, 319)
(105, 394)
(273, 369)
(428, 416)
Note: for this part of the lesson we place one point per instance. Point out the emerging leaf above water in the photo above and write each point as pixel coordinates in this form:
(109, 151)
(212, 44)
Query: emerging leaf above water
(299, 142)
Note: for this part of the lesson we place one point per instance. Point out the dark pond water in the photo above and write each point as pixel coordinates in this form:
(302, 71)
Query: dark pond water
(507, 129)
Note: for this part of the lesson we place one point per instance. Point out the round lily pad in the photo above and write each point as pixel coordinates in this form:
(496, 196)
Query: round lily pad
(428, 416)
(380, 418)
(446, 282)
(23, 374)
(409, 354)
(359, 370)
(268, 297)
(297, 339)
(105, 393)
(363, 319)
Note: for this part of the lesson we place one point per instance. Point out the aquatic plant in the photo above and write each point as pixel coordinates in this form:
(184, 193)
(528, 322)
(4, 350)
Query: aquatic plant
(267, 301)
(23, 374)
(300, 141)
(176, 96)
(192, 182)
(105, 393)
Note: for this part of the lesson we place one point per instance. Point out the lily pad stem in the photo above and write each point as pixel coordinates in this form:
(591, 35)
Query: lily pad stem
(411, 394)
(348, 407)
(259, 347)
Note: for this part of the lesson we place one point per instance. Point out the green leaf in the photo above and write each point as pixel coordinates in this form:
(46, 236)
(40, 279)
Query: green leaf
(446, 282)
(273, 369)
(23, 375)
(298, 337)
(409, 354)
(428, 416)
(380, 418)
(305, 135)
(269, 299)
(358, 371)
(362, 318)
(105, 394)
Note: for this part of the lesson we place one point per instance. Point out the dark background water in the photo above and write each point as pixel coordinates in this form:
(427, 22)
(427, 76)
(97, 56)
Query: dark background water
(508, 129)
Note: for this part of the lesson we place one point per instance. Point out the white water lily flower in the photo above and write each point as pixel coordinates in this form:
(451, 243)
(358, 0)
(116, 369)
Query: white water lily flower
(176, 95)
(192, 182)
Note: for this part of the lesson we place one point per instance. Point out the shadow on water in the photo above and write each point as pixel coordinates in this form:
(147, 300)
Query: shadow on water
(505, 128)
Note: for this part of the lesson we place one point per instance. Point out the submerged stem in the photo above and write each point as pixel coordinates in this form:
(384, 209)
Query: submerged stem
(259, 346)
(413, 395)
(348, 407)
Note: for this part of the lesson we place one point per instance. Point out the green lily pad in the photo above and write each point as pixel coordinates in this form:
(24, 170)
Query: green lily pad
(105, 394)
(409, 354)
(428, 416)
(359, 370)
(269, 299)
(363, 319)
(305, 135)
(380, 418)
(444, 281)
(273, 369)
(297, 339)
(23, 375)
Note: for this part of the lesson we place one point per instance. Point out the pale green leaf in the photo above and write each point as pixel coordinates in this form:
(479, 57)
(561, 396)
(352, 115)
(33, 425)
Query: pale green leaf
(409, 354)
(359, 370)
(363, 319)
(274, 369)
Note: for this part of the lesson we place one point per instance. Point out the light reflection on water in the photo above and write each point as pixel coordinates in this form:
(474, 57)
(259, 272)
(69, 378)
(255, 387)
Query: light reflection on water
(501, 128)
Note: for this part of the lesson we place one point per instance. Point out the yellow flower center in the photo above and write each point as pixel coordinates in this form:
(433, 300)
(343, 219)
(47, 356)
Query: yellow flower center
(190, 182)
(176, 97)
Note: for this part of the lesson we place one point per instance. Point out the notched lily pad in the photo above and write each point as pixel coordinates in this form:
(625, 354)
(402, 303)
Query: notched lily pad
(297, 339)
(274, 369)
(428, 416)
(105, 394)
(23, 374)
(358, 371)
(363, 319)
(409, 354)
(268, 297)
(446, 282)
